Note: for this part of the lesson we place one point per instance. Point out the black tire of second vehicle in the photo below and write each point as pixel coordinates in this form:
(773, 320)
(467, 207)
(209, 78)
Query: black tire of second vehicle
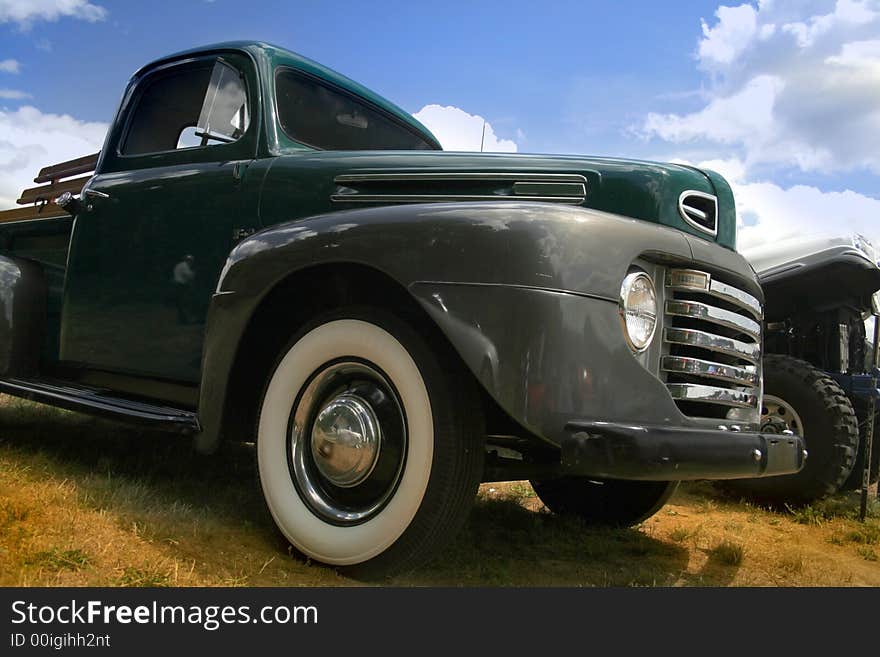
(831, 434)
(614, 502)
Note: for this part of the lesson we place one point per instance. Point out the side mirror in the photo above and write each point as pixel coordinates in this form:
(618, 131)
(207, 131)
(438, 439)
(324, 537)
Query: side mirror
(69, 203)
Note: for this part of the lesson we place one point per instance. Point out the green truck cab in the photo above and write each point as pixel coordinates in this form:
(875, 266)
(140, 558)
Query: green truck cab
(269, 251)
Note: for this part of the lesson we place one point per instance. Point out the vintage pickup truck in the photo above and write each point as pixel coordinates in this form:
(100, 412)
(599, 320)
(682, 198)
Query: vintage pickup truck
(269, 251)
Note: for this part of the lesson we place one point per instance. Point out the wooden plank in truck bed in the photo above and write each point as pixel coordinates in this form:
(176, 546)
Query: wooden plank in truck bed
(74, 167)
(50, 192)
(33, 212)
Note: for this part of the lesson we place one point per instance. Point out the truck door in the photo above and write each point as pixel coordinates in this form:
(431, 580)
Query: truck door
(159, 219)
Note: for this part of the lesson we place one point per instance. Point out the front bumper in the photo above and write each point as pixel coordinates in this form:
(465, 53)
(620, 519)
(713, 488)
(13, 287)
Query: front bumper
(661, 453)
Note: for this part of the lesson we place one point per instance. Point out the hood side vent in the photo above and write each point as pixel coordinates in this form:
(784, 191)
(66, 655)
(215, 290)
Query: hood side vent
(700, 210)
(440, 186)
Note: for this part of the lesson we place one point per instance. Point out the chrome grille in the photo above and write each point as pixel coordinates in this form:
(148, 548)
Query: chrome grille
(712, 351)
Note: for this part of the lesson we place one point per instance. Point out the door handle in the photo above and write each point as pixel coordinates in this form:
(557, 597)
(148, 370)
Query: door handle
(94, 193)
(90, 194)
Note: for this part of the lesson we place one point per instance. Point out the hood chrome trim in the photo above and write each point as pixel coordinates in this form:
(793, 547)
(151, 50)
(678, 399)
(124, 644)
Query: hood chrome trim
(686, 211)
(548, 187)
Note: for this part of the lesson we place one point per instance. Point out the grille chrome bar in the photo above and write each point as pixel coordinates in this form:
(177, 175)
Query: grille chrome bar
(712, 362)
(715, 315)
(736, 296)
(712, 342)
(735, 397)
(690, 280)
(707, 369)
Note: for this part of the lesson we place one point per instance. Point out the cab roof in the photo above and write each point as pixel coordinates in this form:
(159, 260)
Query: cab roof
(275, 56)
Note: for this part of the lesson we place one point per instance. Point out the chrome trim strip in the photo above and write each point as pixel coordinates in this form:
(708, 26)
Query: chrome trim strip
(737, 296)
(684, 209)
(704, 340)
(719, 290)
(547, 188)
(736, 397)
(575, 195)
(698, 310)
(456, 175)
(692, 210)
(444, 198)
(698, 367)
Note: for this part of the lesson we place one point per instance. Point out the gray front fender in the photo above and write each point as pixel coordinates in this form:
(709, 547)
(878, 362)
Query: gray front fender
(548, 357)
(567, 261)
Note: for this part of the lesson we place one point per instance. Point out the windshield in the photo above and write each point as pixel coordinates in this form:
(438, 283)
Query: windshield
(323, 117)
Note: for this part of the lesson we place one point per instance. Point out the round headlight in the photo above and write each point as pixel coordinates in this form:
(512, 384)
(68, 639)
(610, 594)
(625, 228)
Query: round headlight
(638, 310)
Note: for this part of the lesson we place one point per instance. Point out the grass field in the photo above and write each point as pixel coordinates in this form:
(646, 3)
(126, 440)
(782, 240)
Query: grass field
(89, 502)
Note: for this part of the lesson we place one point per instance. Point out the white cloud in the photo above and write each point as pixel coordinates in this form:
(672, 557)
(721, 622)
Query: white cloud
(746, 114)
(10, 66)
(858, 55)
(26, 12)
(30, 140)
(733, 169)
(770, 213)
(459, 131)
(846, 12)
(736, 27)
(13, 94)
(793, 84)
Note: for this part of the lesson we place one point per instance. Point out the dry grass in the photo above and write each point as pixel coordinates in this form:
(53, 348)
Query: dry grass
(88, 502)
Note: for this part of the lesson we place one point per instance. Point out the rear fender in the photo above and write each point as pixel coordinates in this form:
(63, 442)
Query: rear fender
(23, 293)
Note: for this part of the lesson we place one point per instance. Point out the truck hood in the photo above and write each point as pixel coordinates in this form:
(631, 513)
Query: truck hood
(773, 260)
(647, 191)
(806, 274)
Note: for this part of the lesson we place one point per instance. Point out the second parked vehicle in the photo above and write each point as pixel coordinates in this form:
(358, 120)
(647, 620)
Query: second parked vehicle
(818, 369)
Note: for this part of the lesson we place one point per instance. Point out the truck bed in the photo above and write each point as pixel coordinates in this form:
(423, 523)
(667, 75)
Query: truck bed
(40, 231)
(53, 181)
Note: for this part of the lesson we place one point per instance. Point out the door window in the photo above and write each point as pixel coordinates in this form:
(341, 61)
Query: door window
(189, 106)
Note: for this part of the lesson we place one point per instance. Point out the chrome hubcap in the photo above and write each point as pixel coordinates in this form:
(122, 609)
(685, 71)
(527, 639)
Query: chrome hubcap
(347, 442)
(346, 439)
(777, 415)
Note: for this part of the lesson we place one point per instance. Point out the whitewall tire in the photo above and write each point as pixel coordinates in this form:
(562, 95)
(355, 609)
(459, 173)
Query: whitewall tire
(355, 441)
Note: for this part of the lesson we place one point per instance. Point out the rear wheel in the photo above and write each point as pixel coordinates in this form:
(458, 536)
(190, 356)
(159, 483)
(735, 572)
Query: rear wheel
(611, 502)
(802, 399)
(369, 452)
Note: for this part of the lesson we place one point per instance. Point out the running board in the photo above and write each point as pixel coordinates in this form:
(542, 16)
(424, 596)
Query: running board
(95, 401)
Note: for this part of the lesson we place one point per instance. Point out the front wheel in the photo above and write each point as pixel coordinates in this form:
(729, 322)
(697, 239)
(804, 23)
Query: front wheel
(612, 502)
(369, 452)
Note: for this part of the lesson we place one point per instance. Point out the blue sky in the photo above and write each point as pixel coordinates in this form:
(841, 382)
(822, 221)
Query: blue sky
(684, 80)
(545, 72)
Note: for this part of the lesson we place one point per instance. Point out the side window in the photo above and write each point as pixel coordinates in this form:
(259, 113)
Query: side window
(189, 106)
(327, 119)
